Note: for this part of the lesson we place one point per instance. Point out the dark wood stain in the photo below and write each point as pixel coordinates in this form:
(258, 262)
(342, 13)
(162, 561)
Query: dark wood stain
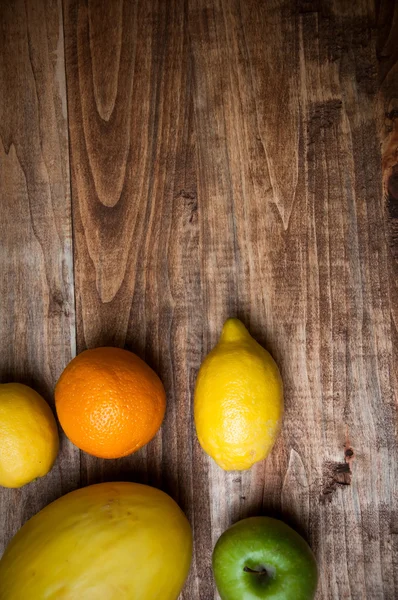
(224, 161)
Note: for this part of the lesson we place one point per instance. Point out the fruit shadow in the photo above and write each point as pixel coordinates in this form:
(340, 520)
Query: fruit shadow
(139, 345)
(268, 502)
(258, 331)
(97, 470)
(276, 512)
(141, 467)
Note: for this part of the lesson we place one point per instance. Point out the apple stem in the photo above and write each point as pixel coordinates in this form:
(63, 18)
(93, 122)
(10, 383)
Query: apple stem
(262, 572)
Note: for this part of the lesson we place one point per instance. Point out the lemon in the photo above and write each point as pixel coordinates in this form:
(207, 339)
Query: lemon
(28, 434)
(238, 403)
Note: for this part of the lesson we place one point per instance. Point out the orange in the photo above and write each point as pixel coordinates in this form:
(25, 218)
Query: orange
(109, 402)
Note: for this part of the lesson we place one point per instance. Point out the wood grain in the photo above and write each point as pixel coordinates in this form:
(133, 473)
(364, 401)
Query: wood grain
(37, 324)
(387, 50)
(228, 158)
(233, 168)
(137, 242)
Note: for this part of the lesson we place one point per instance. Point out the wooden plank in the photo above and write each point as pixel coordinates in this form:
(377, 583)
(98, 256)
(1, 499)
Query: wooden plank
(294, 241)
(37, 328)
(387, 112)
(133, 165)
(387, 51)
(225, 161)
(283, 131)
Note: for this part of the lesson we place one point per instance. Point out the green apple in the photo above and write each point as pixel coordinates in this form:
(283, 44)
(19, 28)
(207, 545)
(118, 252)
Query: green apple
(262, 557)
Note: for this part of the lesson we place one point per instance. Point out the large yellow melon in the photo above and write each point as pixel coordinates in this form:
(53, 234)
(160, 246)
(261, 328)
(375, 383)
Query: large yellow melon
(111, 541)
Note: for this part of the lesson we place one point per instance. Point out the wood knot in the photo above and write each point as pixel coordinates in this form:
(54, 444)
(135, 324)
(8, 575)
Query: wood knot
(392, 115)
(335, 474)
(191, 202)
(57, 305)
(323, 115)
(392, 190)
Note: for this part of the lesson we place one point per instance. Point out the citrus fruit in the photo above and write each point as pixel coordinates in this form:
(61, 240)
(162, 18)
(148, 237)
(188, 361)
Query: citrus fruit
(109, 402)
(110, 541)
(238, 402)
(28, 435)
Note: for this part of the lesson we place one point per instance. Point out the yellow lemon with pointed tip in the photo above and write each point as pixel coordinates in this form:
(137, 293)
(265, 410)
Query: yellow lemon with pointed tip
(238, 402)
(28, 435)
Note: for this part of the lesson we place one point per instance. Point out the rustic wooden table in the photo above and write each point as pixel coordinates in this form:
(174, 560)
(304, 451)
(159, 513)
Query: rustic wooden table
(165, 164)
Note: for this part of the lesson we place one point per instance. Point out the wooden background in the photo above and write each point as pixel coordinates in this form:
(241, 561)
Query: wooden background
(166, 164)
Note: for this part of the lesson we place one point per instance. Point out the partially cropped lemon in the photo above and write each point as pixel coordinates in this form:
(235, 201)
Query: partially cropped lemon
(238, 400)
(28, 435)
